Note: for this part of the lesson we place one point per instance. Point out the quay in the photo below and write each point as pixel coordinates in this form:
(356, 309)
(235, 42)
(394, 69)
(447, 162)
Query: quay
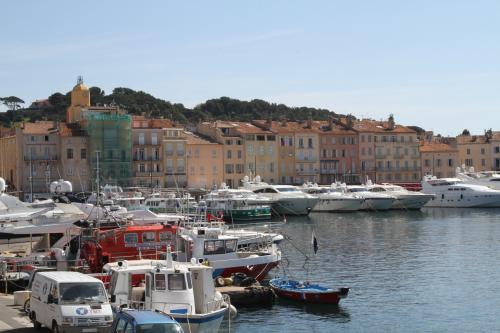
(12, 318)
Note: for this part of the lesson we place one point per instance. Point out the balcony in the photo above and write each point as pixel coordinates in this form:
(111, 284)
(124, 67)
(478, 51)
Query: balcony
(41, 158)
(307, 172)
(380, 156)
(148, 174)
(398, 156)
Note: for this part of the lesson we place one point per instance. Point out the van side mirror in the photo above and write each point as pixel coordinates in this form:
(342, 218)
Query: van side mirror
(113, 298)
(50, 299)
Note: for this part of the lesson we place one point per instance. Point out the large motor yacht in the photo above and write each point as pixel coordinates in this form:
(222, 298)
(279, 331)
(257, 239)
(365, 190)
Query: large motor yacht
(371, 201)
(454, 192)
(331, 200)
(287, 199)
(404, 199)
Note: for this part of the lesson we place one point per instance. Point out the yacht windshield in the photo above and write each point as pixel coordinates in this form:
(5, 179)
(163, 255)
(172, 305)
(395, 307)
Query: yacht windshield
(81, 293)
(287, 189)
(357, 189)
(158, 328)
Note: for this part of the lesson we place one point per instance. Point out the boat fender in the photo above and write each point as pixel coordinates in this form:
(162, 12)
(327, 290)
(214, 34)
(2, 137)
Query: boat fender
(233, 312)
(219, 281)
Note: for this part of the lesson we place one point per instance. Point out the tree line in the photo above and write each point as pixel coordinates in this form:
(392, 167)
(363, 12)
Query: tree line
(140, 102)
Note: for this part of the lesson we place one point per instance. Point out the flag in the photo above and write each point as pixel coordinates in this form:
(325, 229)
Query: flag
(314, 243)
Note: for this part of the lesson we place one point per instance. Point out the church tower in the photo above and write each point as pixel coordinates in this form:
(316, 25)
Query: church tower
(80, 99)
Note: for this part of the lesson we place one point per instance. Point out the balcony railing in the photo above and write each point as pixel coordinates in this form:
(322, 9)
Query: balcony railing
(41, 158)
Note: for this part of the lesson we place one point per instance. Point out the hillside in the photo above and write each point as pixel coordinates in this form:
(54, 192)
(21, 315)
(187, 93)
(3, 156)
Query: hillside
(139, 102)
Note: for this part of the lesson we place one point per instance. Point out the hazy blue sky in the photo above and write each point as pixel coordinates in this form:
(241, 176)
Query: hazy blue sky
(434, 64)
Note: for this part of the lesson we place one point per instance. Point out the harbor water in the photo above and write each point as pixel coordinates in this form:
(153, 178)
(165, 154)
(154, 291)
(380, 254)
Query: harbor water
(435, 270)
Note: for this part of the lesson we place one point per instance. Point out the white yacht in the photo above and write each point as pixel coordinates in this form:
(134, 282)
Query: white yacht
(287, 199)
(170, 202)
(490, 179)
(331, 200)
(454, 192)
(371, 201)
(404, 199)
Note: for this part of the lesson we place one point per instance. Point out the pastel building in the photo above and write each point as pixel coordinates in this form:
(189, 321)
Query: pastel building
(396, 151)
(438, 159)
(204, 162)
(148, 167)
(174, 160)
(475, 151)
(75, 158)
(338, 152)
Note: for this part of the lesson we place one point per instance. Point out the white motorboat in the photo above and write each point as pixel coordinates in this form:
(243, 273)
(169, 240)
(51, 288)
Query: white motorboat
(454, 192)
(331, 200)
(184, 291)
(371, 201)
(404, 199)
(170, 202)
(287, 199)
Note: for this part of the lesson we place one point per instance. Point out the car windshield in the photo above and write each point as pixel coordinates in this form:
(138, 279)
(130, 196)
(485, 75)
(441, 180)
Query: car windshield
(159, 328)
(82, 293)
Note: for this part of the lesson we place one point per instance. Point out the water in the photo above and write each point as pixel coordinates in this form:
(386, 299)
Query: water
(431, 271)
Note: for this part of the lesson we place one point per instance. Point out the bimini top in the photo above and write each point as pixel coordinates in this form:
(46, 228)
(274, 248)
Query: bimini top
(148, 317)
(68, 276)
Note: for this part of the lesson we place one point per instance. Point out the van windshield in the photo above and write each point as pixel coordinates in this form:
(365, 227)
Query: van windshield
(81, 293)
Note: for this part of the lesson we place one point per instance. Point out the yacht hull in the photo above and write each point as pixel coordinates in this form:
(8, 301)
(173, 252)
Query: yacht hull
(294, 206)
(376, 204)
(337, 205)
(473, 201)
(411, 201)
(200, 323)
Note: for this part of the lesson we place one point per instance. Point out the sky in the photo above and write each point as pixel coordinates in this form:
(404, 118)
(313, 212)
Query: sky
(433, 64)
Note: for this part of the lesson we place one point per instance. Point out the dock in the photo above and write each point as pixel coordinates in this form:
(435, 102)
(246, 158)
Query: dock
(251, 296)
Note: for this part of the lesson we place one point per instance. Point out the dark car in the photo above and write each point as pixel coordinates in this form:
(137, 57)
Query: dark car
(142, 321)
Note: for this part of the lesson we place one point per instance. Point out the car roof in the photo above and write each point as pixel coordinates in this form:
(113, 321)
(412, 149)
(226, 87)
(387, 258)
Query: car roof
(148, 317)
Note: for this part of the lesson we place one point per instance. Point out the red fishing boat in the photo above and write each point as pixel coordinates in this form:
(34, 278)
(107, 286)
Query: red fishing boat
(126, 243)
(306, 292)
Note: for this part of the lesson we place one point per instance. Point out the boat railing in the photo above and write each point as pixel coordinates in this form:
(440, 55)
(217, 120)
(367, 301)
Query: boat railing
(161, 306)
(266, 226)
(26, 265)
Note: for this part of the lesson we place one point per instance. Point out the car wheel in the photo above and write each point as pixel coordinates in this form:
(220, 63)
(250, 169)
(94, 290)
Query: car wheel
(26, 306)
(36, 324)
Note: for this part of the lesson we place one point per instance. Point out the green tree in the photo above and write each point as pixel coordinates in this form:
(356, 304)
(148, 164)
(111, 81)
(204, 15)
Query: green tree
(12, 102)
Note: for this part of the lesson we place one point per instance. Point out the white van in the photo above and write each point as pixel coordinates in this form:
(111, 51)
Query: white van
(68, 302)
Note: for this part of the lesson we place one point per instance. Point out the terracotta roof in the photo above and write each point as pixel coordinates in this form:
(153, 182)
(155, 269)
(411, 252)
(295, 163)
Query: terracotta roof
(435, 147)
(39, 127)
(67, 130)
(249, 128)
(290, 126)
(326, 128)
(193, 139)
(471, 139)
(374, 126)
(138, 122)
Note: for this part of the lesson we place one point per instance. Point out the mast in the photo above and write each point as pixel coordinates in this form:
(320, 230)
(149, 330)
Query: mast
(97, 184)
(31, 175)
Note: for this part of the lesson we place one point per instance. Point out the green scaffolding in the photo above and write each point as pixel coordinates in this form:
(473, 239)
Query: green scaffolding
(110, 138)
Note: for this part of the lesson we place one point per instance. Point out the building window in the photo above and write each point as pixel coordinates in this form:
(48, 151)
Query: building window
(142, 167)
(468, 151)
(438, 162)
(229, 142)
(271, 167)
(46, 138)
(301, 143)
(271, 138)
(154, 139)
(261, 150)
(69, 153)
(214, 153)
(483, 162)
(290, 141)
(229, 154)
(309, 143)
(261, 138)
(468, 162)
(229, 168)
(482, 151)
(141, 138)
(450, 162)
(83, 154)
(427, 163)
(240, 154)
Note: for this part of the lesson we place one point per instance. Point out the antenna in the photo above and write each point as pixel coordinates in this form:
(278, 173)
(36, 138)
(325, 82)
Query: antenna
(79, 80)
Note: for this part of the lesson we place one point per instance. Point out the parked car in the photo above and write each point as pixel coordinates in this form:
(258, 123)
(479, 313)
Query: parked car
(144, 321)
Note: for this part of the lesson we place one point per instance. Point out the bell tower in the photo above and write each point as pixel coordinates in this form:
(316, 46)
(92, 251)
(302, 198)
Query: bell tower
(80, 99)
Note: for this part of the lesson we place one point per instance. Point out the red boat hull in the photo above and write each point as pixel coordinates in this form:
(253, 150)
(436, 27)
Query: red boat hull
(333, 297)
